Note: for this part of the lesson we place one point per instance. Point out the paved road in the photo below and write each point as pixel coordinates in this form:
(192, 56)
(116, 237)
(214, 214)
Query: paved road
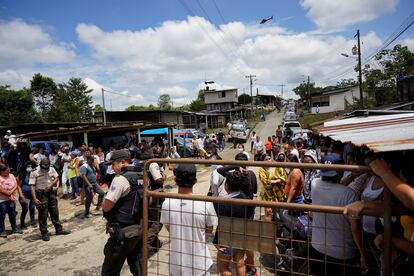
(81, 252)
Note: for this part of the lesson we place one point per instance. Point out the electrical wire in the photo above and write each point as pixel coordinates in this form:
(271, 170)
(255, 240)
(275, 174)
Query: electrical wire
(186, 7)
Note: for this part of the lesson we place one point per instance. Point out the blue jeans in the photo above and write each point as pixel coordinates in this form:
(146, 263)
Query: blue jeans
(9, 208)
(28, 206)
(221, 144)
(75, 186)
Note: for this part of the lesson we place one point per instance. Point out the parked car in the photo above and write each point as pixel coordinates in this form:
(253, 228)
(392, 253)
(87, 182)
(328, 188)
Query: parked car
(295, 126)
(48, 145)
(240, 131)
(290, 116)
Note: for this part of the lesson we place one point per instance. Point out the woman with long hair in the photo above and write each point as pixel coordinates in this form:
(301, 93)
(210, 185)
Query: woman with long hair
(26, 201)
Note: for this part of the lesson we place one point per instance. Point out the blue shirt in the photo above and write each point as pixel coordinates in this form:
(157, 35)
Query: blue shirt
(89, 172)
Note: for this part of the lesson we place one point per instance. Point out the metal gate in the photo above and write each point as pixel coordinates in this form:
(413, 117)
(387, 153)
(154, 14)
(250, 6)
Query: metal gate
(263, 237)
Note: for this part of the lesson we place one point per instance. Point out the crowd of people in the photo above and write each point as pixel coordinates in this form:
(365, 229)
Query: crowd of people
(352, 239)
(355, 242)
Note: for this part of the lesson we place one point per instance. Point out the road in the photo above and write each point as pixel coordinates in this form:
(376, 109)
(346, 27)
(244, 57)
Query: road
(81, 252)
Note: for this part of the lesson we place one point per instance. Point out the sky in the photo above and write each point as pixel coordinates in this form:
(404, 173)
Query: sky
(141, 49)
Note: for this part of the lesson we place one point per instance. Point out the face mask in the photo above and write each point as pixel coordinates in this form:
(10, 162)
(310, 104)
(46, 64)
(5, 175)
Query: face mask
(29, 170)
(241, 150)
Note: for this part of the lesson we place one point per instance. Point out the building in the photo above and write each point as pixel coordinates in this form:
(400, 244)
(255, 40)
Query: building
(405, 89)
(220, 100)
(264, 100)
(181, 119)
(337, 99)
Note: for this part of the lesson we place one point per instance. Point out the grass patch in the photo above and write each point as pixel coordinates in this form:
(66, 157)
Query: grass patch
(310, 120)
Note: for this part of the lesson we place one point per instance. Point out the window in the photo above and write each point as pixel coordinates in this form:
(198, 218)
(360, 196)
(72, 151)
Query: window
(222, 94)
(320, 101)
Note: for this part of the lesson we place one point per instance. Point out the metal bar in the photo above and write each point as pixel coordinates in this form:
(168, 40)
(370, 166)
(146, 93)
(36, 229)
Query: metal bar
(258, 203)
(387, 233)
(145, 223)
(246, 202)
(354, 168)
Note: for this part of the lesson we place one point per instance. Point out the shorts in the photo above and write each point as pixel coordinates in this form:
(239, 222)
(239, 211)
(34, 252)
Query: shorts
(227, 251)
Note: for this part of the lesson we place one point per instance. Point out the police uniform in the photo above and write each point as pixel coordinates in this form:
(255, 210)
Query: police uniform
(125, 241)
(40, 178)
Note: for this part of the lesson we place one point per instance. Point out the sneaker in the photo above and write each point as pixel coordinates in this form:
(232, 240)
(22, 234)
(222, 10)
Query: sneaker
(17, 231)
(252, 273)
(87, 216)
(34, 225)
(3, 234)
(45, 237)
(62, 232)
(98, 208)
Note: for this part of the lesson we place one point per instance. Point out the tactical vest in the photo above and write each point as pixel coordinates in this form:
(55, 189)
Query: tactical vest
(139, 165)
(128, 209)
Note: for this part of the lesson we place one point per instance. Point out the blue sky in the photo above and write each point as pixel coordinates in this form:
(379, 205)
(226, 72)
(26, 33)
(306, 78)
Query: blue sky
(146, 48)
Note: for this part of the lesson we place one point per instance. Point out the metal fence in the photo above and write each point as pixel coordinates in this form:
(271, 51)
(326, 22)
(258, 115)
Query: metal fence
(280, 246)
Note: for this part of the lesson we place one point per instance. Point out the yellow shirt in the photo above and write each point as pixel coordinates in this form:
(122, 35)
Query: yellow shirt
(272, 191)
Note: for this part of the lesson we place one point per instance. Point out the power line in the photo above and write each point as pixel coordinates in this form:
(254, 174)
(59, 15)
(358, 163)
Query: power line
(225, 22)
(184, 4)
(405, 25)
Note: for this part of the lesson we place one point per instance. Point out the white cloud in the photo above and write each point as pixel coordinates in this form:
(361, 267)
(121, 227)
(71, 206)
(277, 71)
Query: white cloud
(178, 56)
(335, 15)
(112, 101)
(27, 44)
(409, 42)
(174, 91)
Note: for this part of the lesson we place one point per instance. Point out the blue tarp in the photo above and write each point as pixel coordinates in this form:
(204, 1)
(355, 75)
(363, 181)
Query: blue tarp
(160, 131)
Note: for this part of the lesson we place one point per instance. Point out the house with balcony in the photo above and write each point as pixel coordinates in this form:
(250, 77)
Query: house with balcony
(220, 100)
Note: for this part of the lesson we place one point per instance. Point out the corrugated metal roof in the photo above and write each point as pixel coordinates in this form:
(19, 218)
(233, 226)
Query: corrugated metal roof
(379, 133)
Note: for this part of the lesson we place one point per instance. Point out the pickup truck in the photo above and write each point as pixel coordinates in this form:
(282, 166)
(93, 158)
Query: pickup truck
(295, 126)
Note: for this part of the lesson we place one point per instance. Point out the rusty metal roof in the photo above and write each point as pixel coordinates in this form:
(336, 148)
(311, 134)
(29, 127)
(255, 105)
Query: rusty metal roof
(379, 133)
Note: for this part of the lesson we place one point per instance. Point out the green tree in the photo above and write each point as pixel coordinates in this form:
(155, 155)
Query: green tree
(244, 99)
(43, 90)
(140, 108)
(302, 89)
(380, 83)
(98, 108)
(164, 102)
(199, 103)
(72, 102)
(17, 106)
(346, 83)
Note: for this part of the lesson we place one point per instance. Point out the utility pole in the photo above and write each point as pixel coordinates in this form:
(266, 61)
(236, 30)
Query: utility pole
(309, 97)
(360, 71)
(257, 96)
(282, 89)
(103, 106)
(251, 86)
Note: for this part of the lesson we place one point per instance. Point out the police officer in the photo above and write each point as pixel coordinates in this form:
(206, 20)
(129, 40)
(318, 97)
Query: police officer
(44, 181)
(156, 177)
(122, 208)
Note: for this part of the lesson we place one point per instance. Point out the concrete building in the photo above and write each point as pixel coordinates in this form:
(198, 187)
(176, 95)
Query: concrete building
(220, 100)
(335, 99)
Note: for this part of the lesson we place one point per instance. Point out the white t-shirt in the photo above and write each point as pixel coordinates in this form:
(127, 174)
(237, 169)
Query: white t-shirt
(331, 233)
(187, 219)
(66, 159)
(39, 157)
(109, 169)
(258, 146)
